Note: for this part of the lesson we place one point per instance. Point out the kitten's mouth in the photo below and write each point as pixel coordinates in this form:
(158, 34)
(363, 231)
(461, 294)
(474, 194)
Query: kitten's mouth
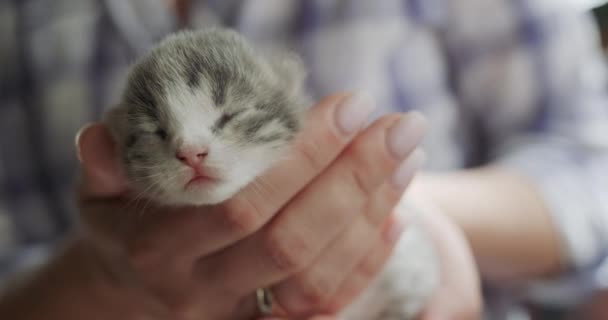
(199, 180)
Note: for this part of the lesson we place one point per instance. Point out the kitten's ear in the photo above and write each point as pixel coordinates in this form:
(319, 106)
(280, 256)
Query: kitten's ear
(290, 71)
(116, 121)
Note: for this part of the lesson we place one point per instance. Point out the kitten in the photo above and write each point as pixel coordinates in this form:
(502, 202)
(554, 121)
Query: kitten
(203, 114)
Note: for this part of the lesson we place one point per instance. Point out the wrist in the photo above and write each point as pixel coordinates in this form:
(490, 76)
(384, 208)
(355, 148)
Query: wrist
(76, 285)
(501, 215)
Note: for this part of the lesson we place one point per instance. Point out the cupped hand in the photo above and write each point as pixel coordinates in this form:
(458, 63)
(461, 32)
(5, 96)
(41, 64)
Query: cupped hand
(297, 229)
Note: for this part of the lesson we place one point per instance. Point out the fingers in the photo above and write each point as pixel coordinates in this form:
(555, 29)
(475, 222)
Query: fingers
(329, 127)
(369, 267)
(348, 184)
(458, 296)
(311, 289)
(101, 178)
(318, 214)
(312, 318)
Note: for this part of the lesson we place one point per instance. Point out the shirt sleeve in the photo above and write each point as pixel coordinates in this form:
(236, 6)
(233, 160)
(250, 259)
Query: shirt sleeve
(24, 223)
(533, 75)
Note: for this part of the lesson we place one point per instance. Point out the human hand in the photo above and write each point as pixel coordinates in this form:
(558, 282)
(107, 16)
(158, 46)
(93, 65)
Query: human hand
(297, 229)
(313, 318)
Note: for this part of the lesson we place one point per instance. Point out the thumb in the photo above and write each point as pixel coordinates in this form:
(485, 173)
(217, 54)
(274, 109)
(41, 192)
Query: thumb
(101, 172)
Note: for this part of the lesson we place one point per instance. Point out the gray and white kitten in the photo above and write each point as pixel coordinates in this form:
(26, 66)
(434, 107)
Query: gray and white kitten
(205, 101)
(204, 113)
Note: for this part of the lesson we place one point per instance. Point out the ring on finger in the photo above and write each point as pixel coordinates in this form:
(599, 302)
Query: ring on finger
(264, 301)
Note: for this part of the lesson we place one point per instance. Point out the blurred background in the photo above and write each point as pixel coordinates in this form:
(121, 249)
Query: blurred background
(600, 12)
(36, 199)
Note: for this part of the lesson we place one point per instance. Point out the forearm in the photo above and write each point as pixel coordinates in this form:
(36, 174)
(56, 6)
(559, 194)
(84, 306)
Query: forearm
(504, 218)
(74, 286)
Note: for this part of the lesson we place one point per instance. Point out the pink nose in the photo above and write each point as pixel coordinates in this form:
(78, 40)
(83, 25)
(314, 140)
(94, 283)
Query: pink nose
(191, 156)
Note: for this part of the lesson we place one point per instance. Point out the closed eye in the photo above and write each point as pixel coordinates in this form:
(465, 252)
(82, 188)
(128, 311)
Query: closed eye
(161, 133)
(224, 119)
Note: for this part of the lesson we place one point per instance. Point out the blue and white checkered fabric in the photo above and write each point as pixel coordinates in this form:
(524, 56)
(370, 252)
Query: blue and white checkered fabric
(517, 83)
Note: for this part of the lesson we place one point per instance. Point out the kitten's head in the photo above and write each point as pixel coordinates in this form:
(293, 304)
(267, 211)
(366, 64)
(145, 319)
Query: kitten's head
(202, 115)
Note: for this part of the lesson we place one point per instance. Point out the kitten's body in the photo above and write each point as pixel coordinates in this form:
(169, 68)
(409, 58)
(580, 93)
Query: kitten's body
(209, 91)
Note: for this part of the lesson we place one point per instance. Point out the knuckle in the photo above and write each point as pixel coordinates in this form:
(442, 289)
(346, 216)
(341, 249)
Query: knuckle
(242, 217)
(360, 182)
(312, 154)
(288, 254)
(368, 268)
(366, 170)
(381, 207)
(346, 295)
(370, 162)
(305, 296)
(315, 293)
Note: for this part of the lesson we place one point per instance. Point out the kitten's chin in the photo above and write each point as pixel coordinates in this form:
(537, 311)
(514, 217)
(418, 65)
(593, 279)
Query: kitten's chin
(200, 195)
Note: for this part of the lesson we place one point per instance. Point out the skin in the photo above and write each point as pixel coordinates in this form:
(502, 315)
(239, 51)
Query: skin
(499, 229)
(459, 296)
(181, 264)
(510, 232)
(468, 305)
(94, 276)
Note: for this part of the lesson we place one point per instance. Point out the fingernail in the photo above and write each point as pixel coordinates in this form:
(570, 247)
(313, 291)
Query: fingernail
(354, 111)
(406, 170)
(404, 135)
(393, 233)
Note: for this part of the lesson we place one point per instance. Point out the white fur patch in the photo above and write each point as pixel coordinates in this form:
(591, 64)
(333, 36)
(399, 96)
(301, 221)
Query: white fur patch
(191, 115)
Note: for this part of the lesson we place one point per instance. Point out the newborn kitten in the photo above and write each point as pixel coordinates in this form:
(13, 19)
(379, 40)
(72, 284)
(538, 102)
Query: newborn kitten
(203, 114)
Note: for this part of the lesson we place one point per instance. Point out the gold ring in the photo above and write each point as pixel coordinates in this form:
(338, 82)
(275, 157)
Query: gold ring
(264, 300)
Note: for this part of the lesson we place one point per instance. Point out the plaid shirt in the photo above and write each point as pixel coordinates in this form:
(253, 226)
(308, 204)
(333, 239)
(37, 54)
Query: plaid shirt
(518, 83)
